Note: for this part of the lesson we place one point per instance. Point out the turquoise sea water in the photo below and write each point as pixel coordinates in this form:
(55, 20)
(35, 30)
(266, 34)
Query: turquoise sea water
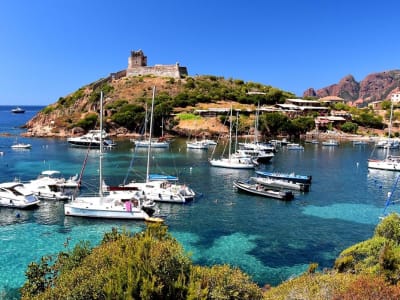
(269, 239)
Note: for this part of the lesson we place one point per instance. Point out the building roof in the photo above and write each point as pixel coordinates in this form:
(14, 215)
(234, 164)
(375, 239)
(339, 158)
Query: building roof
(302, 101)
(331, 98)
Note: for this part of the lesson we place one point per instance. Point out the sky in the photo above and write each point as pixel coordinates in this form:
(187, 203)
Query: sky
(50, 48)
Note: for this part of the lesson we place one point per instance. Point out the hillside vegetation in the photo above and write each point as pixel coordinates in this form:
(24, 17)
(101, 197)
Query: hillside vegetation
(125, 100)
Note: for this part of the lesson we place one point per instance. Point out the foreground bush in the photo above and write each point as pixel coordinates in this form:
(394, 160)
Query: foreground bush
(147, 265)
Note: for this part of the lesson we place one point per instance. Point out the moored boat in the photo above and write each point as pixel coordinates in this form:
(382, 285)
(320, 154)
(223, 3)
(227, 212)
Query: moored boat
(279, 183)
(16, 195)
(330, 142)
(126, 205)
(18, 110)
(260, 190)
(21, 146)
(92, 139)
(294, 146)
(287, 176)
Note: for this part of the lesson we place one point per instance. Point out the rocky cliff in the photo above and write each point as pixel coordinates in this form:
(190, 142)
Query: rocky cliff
(374, 87)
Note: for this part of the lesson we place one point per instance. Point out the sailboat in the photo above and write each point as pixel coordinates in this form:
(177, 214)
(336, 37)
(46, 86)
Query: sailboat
(260, 152)
(234, 161)
(156, 187)
(127, 205)
(390, 162)
(155, 143)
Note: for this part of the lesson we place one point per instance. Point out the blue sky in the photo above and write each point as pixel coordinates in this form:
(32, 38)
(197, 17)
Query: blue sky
(50, 48)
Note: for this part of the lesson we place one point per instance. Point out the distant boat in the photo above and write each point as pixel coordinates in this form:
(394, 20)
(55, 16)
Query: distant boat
(330, 142)
(21, 146)
(18, 110)
(91, 139)
(390, 162)
(294, 146)
(197, 145)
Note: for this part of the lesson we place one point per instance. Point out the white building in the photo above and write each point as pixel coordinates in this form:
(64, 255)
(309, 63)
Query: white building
(395, 97)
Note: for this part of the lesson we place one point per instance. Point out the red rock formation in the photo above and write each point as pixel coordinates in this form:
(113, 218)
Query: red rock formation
(374, 87)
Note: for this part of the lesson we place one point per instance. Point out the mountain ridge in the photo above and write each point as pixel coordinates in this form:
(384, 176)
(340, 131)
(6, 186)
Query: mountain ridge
(374, 87)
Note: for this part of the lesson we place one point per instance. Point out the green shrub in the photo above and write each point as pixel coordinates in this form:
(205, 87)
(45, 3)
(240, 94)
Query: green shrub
(89, 122)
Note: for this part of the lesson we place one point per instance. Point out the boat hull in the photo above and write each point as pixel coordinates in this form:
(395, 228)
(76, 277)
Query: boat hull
(231, 164)
(279, 184)
(97, 212)
(285, 176)
(257, 189)
(386, 164)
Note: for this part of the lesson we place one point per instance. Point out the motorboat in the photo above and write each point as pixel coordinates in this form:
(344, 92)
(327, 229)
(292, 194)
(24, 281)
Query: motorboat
(16, 195)
(18, 110)
(313, 141)
(286, 176)
(195, 144)
(155, 143)
(261, 190)
(258, 146)
(21, 146)
(159, 191)
(46, 189)
(65, 183)
(330, 142)
(260, 156)
(126, 205)
(51, 186)
(359, 143)
(281, 184)
(91, 139)
(294, 146)
(209, 142)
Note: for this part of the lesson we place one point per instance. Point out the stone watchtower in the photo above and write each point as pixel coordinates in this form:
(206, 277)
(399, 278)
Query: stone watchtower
(137, 59)
(137, 66)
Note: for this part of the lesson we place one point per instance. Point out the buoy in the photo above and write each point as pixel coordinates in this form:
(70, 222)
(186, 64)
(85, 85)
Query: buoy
(154, 220)
(190, 169)
(17, 215)
(357, 164)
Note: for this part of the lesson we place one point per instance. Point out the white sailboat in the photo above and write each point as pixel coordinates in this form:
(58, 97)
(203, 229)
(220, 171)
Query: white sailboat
(126, 205)
(260, 152)
(390, 162)
(159, 190)
(155, 143)
(233, 161)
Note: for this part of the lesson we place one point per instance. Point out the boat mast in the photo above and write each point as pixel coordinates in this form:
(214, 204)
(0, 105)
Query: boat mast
(230, 135)
(390, 130)
(237, 126)
(256, 124)
(150, 134)
(101, 147)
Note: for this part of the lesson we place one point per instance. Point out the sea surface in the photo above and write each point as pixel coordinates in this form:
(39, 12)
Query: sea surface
(269, 239)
